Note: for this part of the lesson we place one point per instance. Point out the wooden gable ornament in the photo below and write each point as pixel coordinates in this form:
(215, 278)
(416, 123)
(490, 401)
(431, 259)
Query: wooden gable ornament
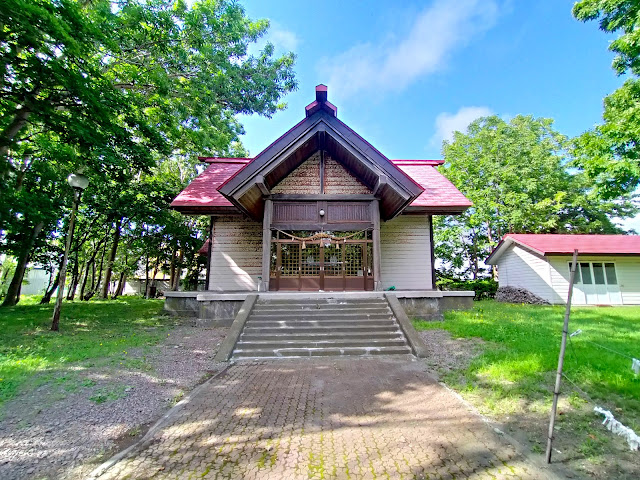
(321, 131)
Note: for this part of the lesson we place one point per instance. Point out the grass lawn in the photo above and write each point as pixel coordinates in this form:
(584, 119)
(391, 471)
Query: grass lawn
(516, 371)
(100, 331)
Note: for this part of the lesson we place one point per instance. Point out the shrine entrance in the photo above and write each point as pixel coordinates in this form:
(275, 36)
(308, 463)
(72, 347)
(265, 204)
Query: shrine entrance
(306, 263)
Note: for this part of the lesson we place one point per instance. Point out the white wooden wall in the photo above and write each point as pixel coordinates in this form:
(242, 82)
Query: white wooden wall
(406, 253)
(518, 267)
(627, 271)
(236, 254)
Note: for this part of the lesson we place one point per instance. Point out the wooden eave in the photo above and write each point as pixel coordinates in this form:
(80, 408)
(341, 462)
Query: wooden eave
(320, 130)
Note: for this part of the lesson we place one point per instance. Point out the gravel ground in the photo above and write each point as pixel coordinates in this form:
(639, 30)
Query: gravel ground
(446, 353)
(66, 427)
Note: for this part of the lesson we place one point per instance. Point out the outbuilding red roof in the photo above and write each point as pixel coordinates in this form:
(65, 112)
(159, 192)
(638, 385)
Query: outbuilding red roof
(565, 244)
(202, 196)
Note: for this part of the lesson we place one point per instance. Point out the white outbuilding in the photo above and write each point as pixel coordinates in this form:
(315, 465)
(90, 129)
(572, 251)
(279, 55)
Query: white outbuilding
(608, 273)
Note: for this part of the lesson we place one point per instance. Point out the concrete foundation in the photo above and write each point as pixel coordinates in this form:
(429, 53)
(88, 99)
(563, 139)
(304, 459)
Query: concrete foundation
(220, 309)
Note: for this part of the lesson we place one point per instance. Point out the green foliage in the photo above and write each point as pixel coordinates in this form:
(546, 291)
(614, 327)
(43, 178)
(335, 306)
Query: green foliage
(609, 153)
(89, 332)
(517, 177)
(131, 93)
(522, 353)
(484, 288)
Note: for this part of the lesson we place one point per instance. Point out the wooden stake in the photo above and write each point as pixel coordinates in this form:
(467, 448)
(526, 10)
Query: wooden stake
(563, 346)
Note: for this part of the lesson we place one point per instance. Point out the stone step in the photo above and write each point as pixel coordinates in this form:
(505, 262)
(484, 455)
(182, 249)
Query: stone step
(324, 343)
(321, 316)
(320, 322)
(294, 335)
(322, 311)
(316, 329)
(320, 352)
(322, 302)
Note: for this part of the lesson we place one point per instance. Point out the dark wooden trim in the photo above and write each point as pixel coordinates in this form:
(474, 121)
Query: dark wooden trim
(337, 197)
(433, 257)
(310, 242)
(380, 184)
(208, 282)
(335, 227)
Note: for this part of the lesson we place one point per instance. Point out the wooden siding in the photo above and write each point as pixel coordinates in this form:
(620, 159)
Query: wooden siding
(518, 267)
(406, 253)
(304, 179)
(627, 271)
(338, 180)
(236, 254)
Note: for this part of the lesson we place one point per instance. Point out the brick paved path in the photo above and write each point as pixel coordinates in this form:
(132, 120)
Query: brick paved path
(325, 419)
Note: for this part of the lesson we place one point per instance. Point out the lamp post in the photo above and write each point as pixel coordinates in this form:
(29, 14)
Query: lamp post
(79, 182)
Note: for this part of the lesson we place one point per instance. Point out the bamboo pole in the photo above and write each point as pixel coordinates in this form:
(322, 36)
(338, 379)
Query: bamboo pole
(563, 347)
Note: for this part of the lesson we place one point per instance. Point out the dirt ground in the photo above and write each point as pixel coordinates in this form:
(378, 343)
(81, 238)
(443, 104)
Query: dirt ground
(66, 427)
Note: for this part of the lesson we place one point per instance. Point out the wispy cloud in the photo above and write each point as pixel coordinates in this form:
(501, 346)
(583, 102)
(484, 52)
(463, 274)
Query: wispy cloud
(447, 123)
(282, 39)
(420, 50)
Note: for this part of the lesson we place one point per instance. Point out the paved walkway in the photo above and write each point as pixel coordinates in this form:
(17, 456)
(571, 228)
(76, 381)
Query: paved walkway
(325, 419)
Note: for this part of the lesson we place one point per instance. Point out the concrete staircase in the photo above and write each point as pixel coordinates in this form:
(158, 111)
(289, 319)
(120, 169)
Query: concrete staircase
(304, 327)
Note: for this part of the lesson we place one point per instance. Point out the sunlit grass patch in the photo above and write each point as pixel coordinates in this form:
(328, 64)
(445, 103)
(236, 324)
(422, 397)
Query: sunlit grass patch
(98, 332)
(521, 353)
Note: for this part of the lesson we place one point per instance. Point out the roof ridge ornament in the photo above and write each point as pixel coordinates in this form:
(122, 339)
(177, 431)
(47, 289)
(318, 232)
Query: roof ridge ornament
(321, 103)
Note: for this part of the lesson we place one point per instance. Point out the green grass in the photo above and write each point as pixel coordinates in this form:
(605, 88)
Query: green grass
(96, 331)
(520, 359)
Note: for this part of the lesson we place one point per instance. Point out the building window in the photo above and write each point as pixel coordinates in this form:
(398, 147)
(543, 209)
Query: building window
(595, 273)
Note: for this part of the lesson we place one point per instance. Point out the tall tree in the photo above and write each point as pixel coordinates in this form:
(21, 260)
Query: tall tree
(117, 90)
(610, 153)
(517, 177)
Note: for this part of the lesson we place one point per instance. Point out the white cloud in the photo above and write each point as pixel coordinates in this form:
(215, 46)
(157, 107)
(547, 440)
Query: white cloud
(447, 123)
(420, 50)
(283, 39)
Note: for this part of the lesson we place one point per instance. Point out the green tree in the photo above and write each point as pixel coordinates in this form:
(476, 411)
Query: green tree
(118, 92)
(610, 153)
(516, 175)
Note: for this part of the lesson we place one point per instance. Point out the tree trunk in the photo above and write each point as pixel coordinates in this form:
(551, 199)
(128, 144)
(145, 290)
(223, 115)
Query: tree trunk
(19, 121)
(46, 298)
(178, 272)
(172, 268)
(84, 280)
(13, 292)
(110, 260)
(75, 278)
(120, 286)
(90, 293)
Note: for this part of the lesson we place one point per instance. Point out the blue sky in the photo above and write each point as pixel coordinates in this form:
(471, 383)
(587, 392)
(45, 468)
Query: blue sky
(406, 74)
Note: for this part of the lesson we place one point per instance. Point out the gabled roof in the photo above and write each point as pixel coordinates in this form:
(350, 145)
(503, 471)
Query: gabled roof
(241, 184)
(201, 196)
(320, 130)
(565, 244)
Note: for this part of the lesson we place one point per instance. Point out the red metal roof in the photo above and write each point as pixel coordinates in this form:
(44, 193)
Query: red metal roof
(439, 192)
(556, 244)
(565, 244)
(202, 193)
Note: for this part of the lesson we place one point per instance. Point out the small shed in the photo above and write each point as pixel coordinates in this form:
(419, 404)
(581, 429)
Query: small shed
(608, 273)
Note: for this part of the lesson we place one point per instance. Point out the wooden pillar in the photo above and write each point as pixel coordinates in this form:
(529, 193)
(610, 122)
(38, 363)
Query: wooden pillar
(266, 243)
(433, 257)
(375, 205)
(211, 233)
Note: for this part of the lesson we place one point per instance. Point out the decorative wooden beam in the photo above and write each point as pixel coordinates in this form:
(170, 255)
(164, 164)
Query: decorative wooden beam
(262, 185)
(380, 184)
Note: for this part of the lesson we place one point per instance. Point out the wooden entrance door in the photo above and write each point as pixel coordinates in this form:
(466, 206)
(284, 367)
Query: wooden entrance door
(322, 266)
